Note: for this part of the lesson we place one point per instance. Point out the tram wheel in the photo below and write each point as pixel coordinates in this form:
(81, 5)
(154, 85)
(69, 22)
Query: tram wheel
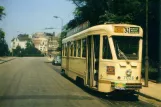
(63, 72)
(79, 81)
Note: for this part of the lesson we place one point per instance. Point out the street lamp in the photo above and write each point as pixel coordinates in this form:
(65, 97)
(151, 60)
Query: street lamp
(57, 17)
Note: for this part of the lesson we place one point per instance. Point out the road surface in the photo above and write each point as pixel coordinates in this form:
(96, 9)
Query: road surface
(33, 82)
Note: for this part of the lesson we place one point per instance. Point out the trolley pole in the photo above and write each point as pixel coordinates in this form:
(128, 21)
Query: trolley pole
(146, 46)
(159, 20)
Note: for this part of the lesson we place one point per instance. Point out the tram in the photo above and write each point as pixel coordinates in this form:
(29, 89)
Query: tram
(105, 57)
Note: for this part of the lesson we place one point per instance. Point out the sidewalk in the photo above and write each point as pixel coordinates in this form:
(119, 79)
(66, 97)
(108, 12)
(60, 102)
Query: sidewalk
(6, 59)
(152, 91)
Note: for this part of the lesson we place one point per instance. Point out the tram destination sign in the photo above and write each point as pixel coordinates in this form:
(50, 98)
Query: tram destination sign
(122, 29)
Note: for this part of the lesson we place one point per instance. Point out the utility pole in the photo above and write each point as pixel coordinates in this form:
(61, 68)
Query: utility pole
(159, 20)
(146, 46)
(61, 36)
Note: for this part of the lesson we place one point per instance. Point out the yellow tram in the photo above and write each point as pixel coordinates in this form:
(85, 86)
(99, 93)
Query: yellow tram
(105, 57)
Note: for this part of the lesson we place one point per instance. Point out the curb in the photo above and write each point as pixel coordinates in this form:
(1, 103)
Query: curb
(7, 60)
(148, 96)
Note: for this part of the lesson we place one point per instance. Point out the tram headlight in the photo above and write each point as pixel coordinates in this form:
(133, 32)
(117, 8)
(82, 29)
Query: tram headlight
(128, 73)
(137, 78)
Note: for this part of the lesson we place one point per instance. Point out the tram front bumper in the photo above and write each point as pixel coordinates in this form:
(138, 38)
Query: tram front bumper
(126, 86)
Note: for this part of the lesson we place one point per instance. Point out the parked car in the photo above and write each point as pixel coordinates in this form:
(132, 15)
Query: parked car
(57, 60)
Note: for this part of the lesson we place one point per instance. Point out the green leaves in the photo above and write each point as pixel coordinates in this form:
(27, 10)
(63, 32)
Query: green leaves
(2, 34)
(4, 51)
(101, 11)
(1, 12)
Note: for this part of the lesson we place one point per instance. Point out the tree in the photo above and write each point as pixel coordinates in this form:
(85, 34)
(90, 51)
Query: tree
(31, 50)
(3, 45)
(18, 51)
(98, 12)
(3, 48)
(1, 12)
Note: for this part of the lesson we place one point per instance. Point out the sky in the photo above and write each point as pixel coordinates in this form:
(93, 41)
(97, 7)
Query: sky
(31, 16)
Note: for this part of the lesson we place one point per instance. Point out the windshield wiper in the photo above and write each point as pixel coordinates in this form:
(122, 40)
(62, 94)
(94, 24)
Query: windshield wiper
(120, 52)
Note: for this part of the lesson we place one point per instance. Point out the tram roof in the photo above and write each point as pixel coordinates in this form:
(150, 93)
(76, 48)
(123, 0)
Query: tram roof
(104, 27)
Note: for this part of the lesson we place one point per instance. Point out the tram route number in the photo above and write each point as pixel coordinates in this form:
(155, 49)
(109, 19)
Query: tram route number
(122, 29)
(131, 30)
(128, 78)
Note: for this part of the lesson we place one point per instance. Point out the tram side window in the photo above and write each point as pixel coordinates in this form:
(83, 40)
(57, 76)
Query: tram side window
(65, 49)
(84, 47)
(106, 49)
(79, 48)
(71, 46)
(75, 48)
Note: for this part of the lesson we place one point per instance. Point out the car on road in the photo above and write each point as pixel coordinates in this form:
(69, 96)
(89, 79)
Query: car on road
(57, 60)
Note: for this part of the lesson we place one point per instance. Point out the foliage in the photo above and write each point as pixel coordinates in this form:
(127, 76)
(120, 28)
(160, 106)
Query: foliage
(4, 51)
(1, 12)
(3, 48)
(62, 36)
(98, 12)
(2, 34)
(30, 50)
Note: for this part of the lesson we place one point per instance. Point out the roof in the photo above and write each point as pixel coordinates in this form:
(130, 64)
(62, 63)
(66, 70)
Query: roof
(23, 38)
(107, 28)
(13, 39)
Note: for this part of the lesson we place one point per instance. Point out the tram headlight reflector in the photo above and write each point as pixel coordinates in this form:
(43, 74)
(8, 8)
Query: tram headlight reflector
(128, 73)
(110, 69)
(118, 77)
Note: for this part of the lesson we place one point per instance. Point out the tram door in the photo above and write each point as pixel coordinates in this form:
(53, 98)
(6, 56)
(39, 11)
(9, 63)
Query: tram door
(93, 60)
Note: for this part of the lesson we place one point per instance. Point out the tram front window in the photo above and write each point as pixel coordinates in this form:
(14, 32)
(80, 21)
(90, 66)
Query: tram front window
(127, 48)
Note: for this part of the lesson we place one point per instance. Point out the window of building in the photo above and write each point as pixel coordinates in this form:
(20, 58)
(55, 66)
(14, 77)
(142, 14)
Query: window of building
(79, 48)
(106, 54)
(84, 47)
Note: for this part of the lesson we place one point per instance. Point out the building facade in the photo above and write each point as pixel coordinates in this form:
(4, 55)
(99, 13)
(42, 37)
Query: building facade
(53, 44)
(40, 41)
(19, 41)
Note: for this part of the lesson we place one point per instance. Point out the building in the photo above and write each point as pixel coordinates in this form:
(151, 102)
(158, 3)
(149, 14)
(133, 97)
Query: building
(53, 44)
(40, 41)
(21, 41)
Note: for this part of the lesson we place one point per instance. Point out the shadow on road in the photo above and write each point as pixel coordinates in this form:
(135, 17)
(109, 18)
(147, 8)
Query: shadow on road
(48, 62)
(113, 96)
(20, 97)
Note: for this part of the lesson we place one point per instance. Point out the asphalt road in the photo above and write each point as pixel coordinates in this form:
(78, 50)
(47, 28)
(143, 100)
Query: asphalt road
(33, 82)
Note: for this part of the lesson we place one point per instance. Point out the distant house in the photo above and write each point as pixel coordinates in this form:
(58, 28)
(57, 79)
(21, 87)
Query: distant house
(47, 43)
(53, 44)
(40, 41)
(21, 41)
